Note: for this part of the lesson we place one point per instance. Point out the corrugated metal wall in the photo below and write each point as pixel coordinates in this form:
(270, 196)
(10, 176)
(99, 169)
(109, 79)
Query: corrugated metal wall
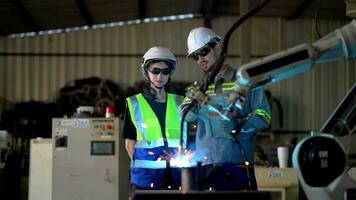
(114, 53)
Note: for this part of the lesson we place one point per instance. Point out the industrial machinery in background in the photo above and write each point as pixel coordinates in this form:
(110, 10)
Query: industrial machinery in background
(315, 152)
(321, 159)
(27, 120)
(86, 153)
(87, 160)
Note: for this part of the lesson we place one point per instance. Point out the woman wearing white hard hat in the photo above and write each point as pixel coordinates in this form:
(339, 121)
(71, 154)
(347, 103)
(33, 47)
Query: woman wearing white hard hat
(152, 124)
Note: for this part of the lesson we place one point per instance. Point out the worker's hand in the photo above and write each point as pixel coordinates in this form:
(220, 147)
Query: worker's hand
(166, 155)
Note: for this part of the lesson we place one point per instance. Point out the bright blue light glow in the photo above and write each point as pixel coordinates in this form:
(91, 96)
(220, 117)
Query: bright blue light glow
(182, 158)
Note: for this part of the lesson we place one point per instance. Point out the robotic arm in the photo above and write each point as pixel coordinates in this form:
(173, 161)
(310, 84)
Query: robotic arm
(320, 160)
(339, 45)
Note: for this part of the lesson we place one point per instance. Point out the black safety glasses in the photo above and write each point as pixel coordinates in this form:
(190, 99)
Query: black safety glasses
(203, 52)
(165, 71)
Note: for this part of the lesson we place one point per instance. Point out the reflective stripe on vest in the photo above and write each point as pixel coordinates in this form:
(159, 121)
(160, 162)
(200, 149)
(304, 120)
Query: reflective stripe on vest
(262, 113)
(225, 87)
(149, 164)
(148, 128)
(135, 115)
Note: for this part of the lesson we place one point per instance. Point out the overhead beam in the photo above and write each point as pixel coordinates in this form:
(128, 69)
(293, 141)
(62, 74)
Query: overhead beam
(299, 10)
(142, 9)
(208, 9)
(85, 12)
(25, 14)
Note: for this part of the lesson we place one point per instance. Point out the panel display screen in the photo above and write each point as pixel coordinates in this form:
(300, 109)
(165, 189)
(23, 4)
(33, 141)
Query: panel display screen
(102, 148)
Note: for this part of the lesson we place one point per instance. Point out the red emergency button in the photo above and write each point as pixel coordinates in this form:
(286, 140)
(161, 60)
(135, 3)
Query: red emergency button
(109, 127)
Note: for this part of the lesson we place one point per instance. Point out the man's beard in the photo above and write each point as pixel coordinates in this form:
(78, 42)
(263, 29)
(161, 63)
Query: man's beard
(209, 69)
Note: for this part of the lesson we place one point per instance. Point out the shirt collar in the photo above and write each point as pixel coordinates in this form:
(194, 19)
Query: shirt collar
(227, 74)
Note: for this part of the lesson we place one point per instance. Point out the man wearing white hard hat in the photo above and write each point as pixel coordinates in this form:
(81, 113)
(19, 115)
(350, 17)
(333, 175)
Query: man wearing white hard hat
(224, 147)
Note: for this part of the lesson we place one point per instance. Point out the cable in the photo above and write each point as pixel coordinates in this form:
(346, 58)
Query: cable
(246, 163)
(316, 20)
(218, 63)
(185, 112)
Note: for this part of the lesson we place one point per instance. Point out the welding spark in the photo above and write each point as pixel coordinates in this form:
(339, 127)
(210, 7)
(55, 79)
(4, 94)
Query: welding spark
(181, 158)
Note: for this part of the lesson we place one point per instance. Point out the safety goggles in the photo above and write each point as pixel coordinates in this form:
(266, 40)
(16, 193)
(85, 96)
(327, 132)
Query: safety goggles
(156, 71)
(203, 51)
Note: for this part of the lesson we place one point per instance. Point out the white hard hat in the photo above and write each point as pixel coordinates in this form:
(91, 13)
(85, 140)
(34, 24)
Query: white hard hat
(158, 53)
(199, 37)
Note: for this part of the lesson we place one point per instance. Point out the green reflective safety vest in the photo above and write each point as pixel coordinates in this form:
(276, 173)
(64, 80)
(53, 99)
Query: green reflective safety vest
(149, 134)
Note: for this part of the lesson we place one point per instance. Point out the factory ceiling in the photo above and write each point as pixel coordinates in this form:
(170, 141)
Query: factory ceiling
(19, 16)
